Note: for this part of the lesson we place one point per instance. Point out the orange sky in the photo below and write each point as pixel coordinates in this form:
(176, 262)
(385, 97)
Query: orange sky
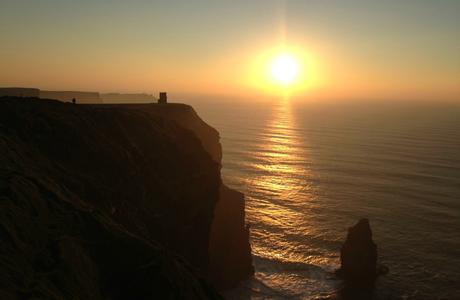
(358, 50)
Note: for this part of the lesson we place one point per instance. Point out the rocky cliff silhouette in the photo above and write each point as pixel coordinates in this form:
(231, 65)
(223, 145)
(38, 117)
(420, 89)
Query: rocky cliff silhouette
(19, 92)
(114, 202)
(230, 251)
(64, 96)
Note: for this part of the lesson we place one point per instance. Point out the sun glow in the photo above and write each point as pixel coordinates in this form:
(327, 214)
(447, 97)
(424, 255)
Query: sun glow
(284, 69)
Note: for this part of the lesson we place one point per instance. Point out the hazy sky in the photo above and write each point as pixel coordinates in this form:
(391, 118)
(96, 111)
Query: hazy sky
(361, 49)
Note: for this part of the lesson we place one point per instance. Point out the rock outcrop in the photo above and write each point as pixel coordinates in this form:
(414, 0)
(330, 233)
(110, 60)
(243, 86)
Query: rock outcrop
(358, 255)
(109, 202)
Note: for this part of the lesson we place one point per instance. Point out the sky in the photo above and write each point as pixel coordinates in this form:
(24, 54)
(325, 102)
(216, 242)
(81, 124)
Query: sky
(346, 49)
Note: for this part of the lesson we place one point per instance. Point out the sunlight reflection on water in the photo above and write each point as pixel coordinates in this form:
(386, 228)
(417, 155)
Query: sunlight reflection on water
(309, 171)
(280, 157)
(279, 200)
(281, 174)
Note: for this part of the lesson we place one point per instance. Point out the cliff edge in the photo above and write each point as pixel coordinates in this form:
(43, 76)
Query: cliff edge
(108, 202)
(229, 247)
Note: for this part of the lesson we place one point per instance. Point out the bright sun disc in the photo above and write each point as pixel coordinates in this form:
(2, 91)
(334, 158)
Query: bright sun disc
(284, 69)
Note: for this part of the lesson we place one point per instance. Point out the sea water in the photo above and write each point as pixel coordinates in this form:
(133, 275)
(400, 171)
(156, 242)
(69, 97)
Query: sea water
(310, 170)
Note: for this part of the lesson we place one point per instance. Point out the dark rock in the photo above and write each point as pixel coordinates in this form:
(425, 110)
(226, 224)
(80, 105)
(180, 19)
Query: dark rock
(105, 202)
(56, 247)
(229, 248)
(358, 255)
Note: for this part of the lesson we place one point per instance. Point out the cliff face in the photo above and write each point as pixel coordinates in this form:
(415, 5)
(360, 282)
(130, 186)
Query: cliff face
(56, 246)
(229, 247)
(186, 117)
(102, 201)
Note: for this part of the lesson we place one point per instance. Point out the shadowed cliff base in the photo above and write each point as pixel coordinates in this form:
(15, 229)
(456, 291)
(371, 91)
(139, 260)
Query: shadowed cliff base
(230, 251)
(112, 202)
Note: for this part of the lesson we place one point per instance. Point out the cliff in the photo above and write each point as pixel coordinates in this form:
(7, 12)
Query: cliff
(229, 247)
(65, 96)
(102, 202)
(19, 92)
(186, 117)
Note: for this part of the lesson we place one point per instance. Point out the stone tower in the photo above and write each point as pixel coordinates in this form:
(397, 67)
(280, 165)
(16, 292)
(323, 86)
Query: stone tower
(163, 98)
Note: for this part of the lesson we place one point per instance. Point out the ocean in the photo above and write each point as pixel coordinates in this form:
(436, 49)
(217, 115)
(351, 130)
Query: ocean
(310, 170)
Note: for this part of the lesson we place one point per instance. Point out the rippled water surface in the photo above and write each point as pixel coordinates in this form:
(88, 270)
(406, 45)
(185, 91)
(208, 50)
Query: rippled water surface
(311, 170)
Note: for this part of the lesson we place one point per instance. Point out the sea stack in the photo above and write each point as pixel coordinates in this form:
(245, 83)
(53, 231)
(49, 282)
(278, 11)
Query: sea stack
(358, 255)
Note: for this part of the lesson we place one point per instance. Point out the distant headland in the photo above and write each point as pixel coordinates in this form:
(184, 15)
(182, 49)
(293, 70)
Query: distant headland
(80, 96)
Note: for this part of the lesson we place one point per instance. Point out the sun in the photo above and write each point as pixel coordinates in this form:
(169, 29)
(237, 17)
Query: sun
(284, 69)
